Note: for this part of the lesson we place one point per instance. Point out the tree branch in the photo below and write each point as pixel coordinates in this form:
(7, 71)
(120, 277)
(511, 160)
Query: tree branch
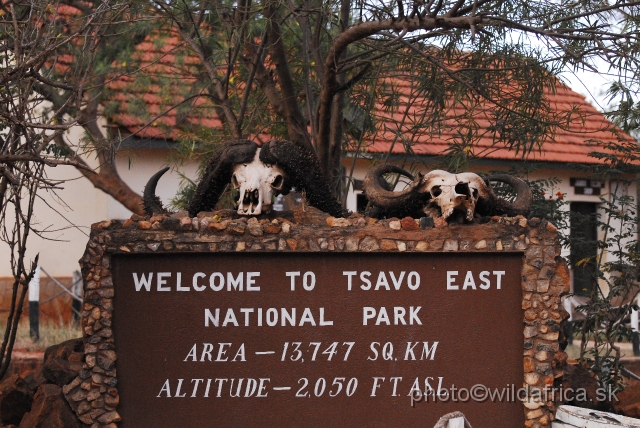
(107, 179)
(252, 72)
(296, 125)
(219, 96)
(267, 84)
(358, 32)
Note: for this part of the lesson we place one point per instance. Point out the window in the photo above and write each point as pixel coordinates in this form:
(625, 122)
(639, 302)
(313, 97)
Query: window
(584, 246)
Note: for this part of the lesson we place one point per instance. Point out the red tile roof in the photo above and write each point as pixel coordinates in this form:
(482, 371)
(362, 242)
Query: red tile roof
(166, 77)
(156, 99)
(585, 133)
(165, 83)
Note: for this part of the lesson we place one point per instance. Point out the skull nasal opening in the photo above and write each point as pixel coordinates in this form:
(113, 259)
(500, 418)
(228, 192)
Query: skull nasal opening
(463, 189)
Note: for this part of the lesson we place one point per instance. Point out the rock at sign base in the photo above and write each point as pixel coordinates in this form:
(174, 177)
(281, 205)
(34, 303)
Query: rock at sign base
(628, 403)
(62, 362)
(65, 349)
(50, 410)
(60, 372)
(15, 400)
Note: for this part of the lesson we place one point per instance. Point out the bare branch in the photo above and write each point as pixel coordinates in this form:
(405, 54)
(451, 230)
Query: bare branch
(295, 120)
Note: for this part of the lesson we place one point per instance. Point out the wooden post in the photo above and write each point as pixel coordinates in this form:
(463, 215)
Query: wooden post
(635, 338)
(77, 291)
(568, 326)
(34, 306)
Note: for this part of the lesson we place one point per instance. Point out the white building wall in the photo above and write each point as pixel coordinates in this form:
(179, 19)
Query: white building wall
(66, 215)
(136, 167)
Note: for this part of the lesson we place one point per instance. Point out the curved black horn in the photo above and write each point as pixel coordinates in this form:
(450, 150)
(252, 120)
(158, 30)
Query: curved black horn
(151, 203)
(522, 204)
(378, 193)
(303, 169)
(218, 174)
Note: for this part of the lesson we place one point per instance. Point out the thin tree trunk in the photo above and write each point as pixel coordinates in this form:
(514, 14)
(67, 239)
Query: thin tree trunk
(296, 124)
(335, 149)
(334, 167)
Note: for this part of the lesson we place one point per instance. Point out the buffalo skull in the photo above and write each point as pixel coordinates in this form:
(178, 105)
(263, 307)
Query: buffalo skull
(256, 183)
(257, 173)
(453, 192)
(441, 194)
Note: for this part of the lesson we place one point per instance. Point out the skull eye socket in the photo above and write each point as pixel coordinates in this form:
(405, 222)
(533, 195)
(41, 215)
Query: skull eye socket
(463, 189)
(234, 181)
(436, 191)
(277, 182)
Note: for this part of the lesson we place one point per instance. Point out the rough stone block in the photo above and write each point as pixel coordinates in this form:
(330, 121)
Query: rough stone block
(50, 410)
(388, 245)
(450, 245)
(369, 243)
(15, 400)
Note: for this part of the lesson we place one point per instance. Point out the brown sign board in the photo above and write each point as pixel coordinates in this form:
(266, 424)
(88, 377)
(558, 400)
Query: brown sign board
(317, 339)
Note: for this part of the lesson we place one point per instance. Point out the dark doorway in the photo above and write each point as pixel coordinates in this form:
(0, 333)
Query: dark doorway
(361, 202)
(584, 246)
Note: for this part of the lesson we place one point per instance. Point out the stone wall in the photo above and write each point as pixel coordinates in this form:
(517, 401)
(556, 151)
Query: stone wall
(94, 394)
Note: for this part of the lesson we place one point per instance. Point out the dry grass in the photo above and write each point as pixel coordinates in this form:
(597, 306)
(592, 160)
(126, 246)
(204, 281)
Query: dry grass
(50, 334)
